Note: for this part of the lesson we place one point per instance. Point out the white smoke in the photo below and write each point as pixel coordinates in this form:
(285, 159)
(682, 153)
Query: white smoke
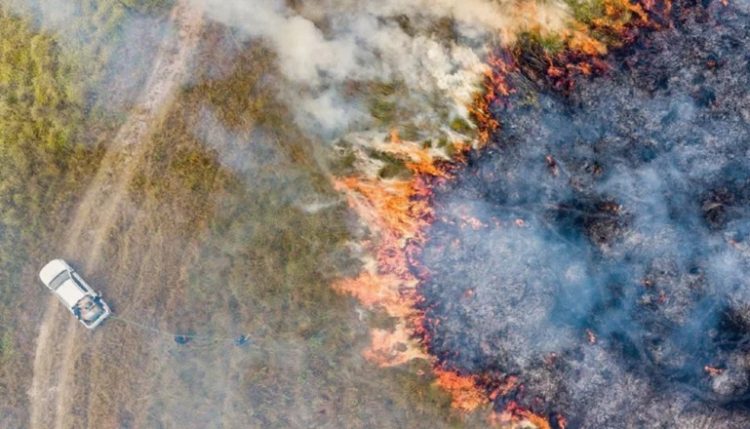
(323, 45)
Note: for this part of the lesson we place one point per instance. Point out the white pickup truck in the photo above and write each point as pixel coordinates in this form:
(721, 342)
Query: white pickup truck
(85, 304)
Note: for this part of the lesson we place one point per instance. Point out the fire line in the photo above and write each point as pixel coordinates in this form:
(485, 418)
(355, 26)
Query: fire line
(399, 211)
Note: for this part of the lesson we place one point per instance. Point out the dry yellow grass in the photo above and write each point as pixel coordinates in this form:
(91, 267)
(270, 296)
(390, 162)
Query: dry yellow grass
(213, 236)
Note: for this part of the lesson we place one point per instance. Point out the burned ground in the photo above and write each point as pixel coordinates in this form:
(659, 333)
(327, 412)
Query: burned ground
(600, 248)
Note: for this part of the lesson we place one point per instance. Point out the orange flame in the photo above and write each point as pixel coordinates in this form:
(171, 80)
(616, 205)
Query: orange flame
(585, 44)
(465, 394)
(495, 88)
(516, 417)
(399, 211)
(713, 371)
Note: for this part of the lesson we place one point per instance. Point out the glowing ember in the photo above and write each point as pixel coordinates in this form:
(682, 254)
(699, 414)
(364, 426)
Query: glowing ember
(713, 371)
(513, 417)
(590, 336)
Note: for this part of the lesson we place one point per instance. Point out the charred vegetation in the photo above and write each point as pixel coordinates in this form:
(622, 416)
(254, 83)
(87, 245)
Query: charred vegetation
(609, 273)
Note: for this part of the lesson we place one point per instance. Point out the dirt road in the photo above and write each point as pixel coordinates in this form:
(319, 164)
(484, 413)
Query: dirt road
(54, 373)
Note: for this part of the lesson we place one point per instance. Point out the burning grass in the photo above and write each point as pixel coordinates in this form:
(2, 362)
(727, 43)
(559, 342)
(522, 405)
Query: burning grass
(399, 209)
(399, 212)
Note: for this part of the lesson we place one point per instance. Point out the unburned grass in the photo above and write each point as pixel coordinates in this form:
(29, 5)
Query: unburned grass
(220, 242)
(51, 136)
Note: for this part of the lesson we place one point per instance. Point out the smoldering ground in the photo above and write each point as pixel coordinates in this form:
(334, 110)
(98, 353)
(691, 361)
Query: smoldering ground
(599, 250)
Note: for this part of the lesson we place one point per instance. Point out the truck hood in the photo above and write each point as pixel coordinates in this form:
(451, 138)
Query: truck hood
(52, 269)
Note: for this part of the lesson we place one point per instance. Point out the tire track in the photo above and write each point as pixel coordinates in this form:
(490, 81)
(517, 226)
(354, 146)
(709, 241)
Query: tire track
(99, 211)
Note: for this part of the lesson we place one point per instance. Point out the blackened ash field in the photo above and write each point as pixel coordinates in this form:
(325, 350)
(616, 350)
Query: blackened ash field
(608, 262)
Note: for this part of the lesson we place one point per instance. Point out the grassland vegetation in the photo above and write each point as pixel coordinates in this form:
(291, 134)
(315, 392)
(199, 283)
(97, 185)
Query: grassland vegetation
(52, 130)
(147, 6)
(586, 11)
(229, 176)
(43, 159)
(224, 234)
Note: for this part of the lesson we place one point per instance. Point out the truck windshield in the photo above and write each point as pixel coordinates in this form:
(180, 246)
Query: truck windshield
(60, 279)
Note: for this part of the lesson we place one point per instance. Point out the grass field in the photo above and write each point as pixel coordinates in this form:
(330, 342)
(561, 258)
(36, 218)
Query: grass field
(229, 227)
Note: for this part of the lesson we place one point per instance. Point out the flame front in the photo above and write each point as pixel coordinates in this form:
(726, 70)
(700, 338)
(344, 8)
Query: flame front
(399, 210)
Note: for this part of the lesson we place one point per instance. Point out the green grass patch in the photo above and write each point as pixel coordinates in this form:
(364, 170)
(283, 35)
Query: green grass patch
(393, 167)
(460, 125)
(536, 42)
(383, 110)
(383, 101)
(586, 11)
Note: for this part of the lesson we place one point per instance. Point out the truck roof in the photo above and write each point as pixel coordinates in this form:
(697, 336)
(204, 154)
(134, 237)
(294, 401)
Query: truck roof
(70, 292)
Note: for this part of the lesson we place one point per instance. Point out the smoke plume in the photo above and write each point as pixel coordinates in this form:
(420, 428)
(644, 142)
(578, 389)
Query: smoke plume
(434, 49)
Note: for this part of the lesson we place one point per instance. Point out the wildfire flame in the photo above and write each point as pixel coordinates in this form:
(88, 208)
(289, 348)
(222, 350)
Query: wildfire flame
(399, 211)
(495, 89)
(463, 389)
